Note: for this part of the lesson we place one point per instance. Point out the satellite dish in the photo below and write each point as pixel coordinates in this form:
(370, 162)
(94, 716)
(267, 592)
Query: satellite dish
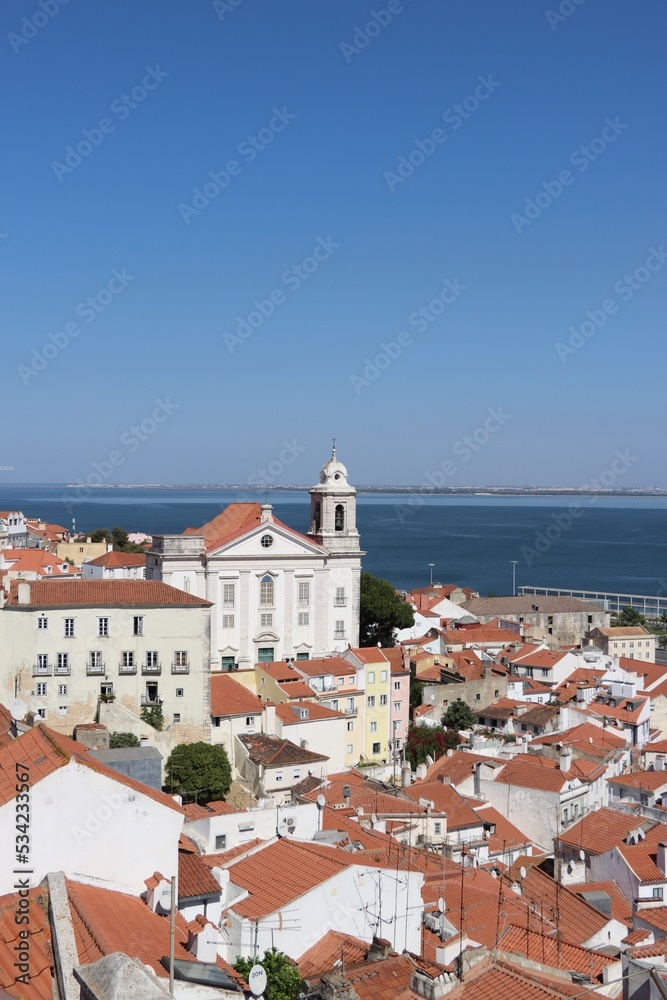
(257, 980)
(18, 709)
(522, 872)
(321, 802)
(441, 905)
(374, 819)
(582, 855)
(494, 873)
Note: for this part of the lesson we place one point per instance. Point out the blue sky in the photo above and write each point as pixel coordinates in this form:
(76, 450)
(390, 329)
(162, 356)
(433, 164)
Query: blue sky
(336, 94)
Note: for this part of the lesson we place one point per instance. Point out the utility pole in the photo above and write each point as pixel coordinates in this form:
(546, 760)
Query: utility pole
(514, 562)
(172, 934)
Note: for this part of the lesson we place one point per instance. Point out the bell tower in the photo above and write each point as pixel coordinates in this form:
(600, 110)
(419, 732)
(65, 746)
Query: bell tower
(333, 509)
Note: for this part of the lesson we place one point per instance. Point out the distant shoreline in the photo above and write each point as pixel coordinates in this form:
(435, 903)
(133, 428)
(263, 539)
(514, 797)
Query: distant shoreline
(462, 491)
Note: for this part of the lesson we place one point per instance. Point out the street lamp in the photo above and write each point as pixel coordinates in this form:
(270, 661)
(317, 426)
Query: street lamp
(514, 562)
(431, 565)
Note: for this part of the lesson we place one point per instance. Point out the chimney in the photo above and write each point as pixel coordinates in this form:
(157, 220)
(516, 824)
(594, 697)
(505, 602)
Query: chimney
(565, 759)
(661, 857)
(379, 949)
(266, 517)
(444, 779)
(421, 771)
(24, 593)
(406, 775)
(478, 779)
(334, 986)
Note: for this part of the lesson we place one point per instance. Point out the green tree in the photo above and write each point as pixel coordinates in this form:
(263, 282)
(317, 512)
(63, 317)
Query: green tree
(153, 716)
(199, 769)
(459, 716)
(431, 741)
(628, 616)
(119, 537)
(283, 979)
(118, 741)
(381, 612)
(100, 535)
(416, 689)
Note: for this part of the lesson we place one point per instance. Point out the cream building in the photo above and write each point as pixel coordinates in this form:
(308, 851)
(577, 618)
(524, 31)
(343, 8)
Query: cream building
(372, 664)
(69, 644)
(276, 593)
(635, 641)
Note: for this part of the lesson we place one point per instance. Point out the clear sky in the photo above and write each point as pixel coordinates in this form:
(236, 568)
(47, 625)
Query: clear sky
(369, 162)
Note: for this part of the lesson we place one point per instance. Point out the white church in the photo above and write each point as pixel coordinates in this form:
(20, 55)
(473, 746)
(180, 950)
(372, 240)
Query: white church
(276, 594)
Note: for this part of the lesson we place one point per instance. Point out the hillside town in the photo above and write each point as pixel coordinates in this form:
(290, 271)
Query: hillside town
(472, 808)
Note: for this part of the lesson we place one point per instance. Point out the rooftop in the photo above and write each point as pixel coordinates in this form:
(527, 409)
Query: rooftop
(599, 831)
(526, 605)
(230, 697)
(119, 560)
(271, 751)
(101, 594)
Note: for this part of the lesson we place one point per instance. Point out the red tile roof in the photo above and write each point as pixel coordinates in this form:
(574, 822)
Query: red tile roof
(584, 737)
(37, 561)
(40, 950)
(599, 831)
(458, 767)
(388, 979)
(546, 950)
(218, 807)
(643, 780)
(103, 594)
(642, 859)
(289, 714)
(229, 697)
(326, 954)
(578, 920)
(335, 665)
(118, 560)
(194, 878)
(477, 636)
(530, 771)
(621, 909)
(507, 981)
(297, 689)
(506, 837)
(236, 520)
(367, 796)
(271, 751)
(45, 751)
(221, 859)
(446, 799)
(369, 654)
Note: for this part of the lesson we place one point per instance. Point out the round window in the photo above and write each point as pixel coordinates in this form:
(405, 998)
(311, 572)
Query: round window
(337, 476)
(266, 541)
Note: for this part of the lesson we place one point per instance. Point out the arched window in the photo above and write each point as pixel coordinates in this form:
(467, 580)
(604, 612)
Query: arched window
(266, 591)
(339, 517)
(317, 517)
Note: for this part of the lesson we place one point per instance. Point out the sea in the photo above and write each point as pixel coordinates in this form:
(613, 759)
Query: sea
(612, 544)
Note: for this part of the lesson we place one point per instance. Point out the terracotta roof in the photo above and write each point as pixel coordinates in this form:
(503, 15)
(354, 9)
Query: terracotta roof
(239, 519)
(660, 746)
(458, 767)
(6, 726)
(36, 561)
(524, 605)
(280, 670)
(271, 751)
(446, 799)
(325, 955)
(229, 697)
(587, 737)
(335, 665)
(385, 980)
(622, 632)
(506, 837)
(481, 635)
(102, 594)
(40, 950)
(656, 916)
(648, 950)
(533, 771)
(367, 796)
(599, 831)
(621, 711)
(297, 689)
(546, 950)
(369, 654)
(507, 981)
(217, 807)
(578, 920)
(642, 858)
(194, 878)
(45, 751)
(118, 560)
(636, 937)
(643, 780)
(395, 656)
(221, 859)
(289, 714)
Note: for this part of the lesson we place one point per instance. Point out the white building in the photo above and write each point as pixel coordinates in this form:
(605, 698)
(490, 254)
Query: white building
(276, 593)
(13, 530)
(116, 566)
(69, 644)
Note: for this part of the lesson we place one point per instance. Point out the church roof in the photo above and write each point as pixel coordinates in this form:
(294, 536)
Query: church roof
(240, 519)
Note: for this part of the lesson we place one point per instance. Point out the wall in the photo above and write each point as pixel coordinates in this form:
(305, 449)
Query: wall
(325, 736)
(242, 827)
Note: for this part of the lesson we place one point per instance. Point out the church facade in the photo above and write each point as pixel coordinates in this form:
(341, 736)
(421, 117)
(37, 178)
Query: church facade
(276, 594)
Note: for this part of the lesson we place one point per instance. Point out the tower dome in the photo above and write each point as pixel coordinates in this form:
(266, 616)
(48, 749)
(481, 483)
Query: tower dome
(333, 472)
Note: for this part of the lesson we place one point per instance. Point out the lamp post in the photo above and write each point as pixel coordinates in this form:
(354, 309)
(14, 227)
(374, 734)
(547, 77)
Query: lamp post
(514, 562)
(430, 566)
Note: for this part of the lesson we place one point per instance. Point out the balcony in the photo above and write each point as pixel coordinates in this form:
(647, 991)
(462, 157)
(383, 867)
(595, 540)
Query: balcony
(95, 669)
(41, 670)
(340, 602)
(151, 668)
(125, 669)
(351, 712)
(62, 670)
(339, 635)
(148, 701)
(180, 668)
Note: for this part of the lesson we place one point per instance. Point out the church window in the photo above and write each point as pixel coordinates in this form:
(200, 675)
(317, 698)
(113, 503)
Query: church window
(266, 541)
(339, 517)
(317, 517)
(266, 591)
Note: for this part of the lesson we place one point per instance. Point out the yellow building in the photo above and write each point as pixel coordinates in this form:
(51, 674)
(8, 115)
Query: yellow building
(378, 743)
(80, 550)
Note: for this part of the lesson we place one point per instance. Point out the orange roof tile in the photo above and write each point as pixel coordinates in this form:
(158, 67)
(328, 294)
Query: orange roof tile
(40, 951)
(388, 979)
(218, 807)
(103, 593)
(369, 654)
(229, 697)
(446, 799)
(194, 878)
(458, 767)
(481, 635)
(221, 859)
(621, 909)
(578, 920)
(643, 780)
(272, 751)
(326, 954)
(599, 831)
(335, 665)
(546, 950)
(118, 560)
(289, 714)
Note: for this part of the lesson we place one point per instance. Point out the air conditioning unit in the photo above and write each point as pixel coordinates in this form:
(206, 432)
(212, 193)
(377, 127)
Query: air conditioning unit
(291, 824)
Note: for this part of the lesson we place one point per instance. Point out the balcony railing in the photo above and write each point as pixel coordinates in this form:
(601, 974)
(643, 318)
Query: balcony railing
(180, 668)
(62, 670)
(95, 669)
(351, 711)
(151, 668)
(340, 602)
(127, 668)
(340, 635)
(148, 702)
(41, 670)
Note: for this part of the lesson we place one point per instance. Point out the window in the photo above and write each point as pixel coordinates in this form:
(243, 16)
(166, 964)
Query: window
(40, 689)
(397, 685)
(127, 659)
(103, 626)
(180, 692)
(221, 842)
(42, 624)
(43, 661)
(265, 654)
(375, 748)
(349, 748)
(383, 699)
(266, 541)
(478, 697)
(228, 595)
(266, 620)
(62, 662)
(177, 718)
(341, 681)
(228, 622)
(334, 704)
(296, 775)
(350, 727)
(107, 688)
(383, 676)
(303, 656)
(226, 662)
(397, 706)
(303, 618)
(657, 893)
(279, 775)
(371, 677)
(180, 658)
(250, 720)
(632, 645)
(266, 591)
(340, 600)
(41, 712)
(374, 727)
(370, 701)
(304, 594)
(62, 709)
(62, 689)
(339, 631)
(69, 628)
(339, 517)
(138, 625)
(152, 658)
(496, 693)
(437, 828)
